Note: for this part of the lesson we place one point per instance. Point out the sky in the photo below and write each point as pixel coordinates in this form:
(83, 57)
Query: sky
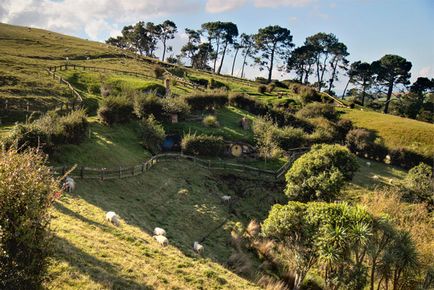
(369, 28)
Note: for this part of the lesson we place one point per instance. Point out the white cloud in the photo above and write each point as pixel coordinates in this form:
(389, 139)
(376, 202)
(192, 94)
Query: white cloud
(277, 3)
(218, 6)
(97, 19)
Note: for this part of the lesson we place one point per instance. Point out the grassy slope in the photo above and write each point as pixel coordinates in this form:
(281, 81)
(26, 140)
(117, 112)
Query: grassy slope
(396, 131)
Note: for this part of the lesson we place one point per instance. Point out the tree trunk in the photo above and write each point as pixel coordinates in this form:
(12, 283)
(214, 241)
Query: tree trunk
(233, 63)
(335, 65)
(389, 96)
(323, 69)
(346, 87)
(270, 71)
(318, 73)
(244, 61)
(223, 58)
(164, 50)
(374, 261)
(217, 53)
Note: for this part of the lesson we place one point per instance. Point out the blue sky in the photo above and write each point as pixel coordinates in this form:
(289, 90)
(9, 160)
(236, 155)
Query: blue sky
(369, 28)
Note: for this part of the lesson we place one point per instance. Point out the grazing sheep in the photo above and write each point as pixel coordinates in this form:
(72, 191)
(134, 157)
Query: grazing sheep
(198, 248)
(162, 240)
(226, 198)
(388, 157)
(159, 232)
(391, 181)
(112, 217)
(375, 177)
(69, 184)
(368, 163)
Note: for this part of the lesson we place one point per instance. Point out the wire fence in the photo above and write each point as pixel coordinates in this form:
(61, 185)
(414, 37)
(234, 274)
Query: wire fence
(84, 172)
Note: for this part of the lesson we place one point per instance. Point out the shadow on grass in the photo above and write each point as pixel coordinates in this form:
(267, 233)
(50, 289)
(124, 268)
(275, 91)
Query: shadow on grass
(99, 271)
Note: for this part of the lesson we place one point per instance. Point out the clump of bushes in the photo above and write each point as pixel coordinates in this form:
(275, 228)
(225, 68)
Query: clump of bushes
(262, 89)
(261, 80)
(271, 87)
(325, 131)
(210, 121)
(115, 110)
(214, 84)
(203, 101)
(406, 158)
(320, 174)
(308, 95)
(25, 200)
(158, 71)
(177, 71)
(365, 142)
(146, 104)
(176, 105)
(202, 145)
(420, 184)
(153, 134)
(199, 81)
(290, 137)
(315, 110)
(50, 130)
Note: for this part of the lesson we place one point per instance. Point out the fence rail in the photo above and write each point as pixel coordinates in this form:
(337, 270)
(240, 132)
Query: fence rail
(84, 172)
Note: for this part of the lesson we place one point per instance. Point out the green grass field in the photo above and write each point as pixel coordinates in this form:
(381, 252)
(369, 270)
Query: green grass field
(396, 131)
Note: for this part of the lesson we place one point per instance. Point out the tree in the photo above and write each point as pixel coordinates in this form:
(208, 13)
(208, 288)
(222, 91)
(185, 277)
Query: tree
(389, 71)
(118, 41)
(222, 33)
(26, 194)
(419, 181)
(320, 173)
(166, 31)
(413, 104)
(339, 52)
(361, 74)
(198, 53)
(237, 47)
(301, 60)
(247, 45)
(273, 42)
(322, 45)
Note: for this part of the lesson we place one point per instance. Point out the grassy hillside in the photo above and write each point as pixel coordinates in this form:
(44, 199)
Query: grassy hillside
(396, 131)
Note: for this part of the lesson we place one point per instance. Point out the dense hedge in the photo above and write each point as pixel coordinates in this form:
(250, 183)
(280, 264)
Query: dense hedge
(315, 110)
(115, 110)
(203, 101)
(153, 134)
(202, 145)
(147, 104)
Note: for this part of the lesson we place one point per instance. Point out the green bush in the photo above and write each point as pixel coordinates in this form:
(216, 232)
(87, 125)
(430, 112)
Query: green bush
(28, 136)
(271, 87)
(344, 126)
(115, 110)
(325, 131)
(267, 137)
(320, 173)
(74, 127)
(153, 134)
(406, 158)
(290, 138)
(210, 121)
(202, 101)
(419, 181)
(365, 142)
(176, 105)
(146, 104)
(261, 80)
(214, 84)
(262, 89)
(308, 95)
(199, 81)
(202, 145)
(158, 71)
(156, 89)
(315, 110)
(177, 71)
(25, 199)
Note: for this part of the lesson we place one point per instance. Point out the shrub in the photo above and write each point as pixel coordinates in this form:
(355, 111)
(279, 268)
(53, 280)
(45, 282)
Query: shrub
(210, 121)
(406, 158)
(153, 134)
(279, 84)
(365, 142)
(147, 104)
(316, 110)
(74, 127)
(267, 137)
(344, 126)
(271, 87)
(176, 105)
(25, 200)
(248, 103)
(29, 136)
(158, 71)
(325, 131)
(308, 95)
(199, 81)
(262, 89)
(115, 110)
(214, 84)
(201, 101)
(419, 181)
(320, 173)
(261, 80)
(204, 145)
(177, 71)
(290, 137)
(156, 89)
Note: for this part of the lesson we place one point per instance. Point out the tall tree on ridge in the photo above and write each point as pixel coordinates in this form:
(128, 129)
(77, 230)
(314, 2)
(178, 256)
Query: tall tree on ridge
(166, 31)
(247, 44)
(339, 52)
(272, 41)
(361, 74)
(237, 46)
(389, 71)
(301, 60)
(229, 33)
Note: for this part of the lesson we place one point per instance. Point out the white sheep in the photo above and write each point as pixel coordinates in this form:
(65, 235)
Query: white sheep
(69, 184)
(162, 240)
(375, 177)
(368, 164)
(391, 181)
(159, 232)
(112, 217)
(226, 198)
(198, 248)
